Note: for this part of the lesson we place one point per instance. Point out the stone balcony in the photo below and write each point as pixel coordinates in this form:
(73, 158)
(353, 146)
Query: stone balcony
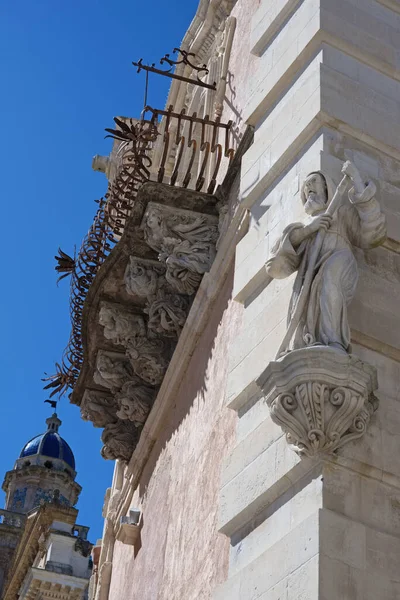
(140, 266)
(11, 519)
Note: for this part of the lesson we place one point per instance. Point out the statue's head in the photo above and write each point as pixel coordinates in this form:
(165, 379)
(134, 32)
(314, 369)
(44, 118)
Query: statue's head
(314, 193)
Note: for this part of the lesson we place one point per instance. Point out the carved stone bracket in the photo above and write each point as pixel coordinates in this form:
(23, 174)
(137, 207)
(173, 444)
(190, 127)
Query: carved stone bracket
(135, 401)
(112, 370)
(185, 241)
(166, 309)
(119, 440)
(98, 407)
(144, 277)
(119, 324)
(137, 306)
(149, 358)
(320, 397)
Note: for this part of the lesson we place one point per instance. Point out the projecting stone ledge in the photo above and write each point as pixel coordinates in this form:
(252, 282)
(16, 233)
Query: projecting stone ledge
(137, 306)
(320, 397)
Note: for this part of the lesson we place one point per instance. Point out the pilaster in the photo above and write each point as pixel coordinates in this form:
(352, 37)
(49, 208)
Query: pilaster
(310, 519)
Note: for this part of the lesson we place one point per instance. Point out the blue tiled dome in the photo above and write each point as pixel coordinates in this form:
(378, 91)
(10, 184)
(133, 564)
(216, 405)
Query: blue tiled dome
(50, 444)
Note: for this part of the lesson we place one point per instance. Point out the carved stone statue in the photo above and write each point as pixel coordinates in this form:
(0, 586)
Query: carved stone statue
(318, 393)
(321, 252)
(135, 401)
(112, 371)
(120, 325)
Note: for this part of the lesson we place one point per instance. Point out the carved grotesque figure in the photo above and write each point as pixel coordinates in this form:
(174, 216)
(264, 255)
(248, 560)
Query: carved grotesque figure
(197, 257)
(165, 228)
(327, 271)
(187, 263)
(183, 280)
(167, 314)
(135, 401)
(112, 371)
(142, 277)
(119, 440)
(98, 408)
(185, 241)
(120, 325)
(149, 359)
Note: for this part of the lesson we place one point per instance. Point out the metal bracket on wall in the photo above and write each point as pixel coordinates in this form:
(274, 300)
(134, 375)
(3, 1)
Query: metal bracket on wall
(185, 60)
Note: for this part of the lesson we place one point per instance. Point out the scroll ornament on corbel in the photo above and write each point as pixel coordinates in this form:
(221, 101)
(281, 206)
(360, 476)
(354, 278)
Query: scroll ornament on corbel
(325, 408)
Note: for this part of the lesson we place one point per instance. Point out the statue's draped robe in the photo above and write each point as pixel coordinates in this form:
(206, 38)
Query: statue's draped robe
(360, 223)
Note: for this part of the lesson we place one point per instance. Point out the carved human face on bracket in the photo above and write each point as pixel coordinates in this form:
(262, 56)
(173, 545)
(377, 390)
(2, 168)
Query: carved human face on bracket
(153, 220)
(315, 194)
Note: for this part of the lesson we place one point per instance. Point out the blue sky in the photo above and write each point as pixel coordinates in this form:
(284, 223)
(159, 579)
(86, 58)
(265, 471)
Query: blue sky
(66, 71)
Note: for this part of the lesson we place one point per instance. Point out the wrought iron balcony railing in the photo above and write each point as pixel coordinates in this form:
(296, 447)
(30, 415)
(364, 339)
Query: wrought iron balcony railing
(175, 148)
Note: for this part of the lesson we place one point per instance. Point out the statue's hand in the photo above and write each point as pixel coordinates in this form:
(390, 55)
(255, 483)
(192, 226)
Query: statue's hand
(350, 170)
(322, 222)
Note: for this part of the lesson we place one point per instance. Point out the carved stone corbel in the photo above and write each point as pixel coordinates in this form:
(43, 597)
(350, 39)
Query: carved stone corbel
(320, 397)
(167, 314)
(183, 280)
(119, 440)
(120, 325)
(135, 401)
(185, 241)
(149, 358)
(144, 277)
(112, 370)
(99, 408)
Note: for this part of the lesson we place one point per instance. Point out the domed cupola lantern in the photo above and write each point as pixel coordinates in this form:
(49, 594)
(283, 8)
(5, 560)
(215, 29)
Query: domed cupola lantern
(45, 468)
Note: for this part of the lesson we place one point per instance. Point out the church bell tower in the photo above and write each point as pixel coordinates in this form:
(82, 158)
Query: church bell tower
(43, 552)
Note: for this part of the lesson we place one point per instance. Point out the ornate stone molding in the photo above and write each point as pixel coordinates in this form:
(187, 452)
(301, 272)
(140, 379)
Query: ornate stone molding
(320, 397)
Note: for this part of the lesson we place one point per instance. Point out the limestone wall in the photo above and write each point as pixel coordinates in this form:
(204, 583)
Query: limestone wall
(181, 554)
(325, 90)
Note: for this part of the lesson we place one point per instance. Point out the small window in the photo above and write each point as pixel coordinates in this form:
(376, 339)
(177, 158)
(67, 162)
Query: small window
(48, 464)
(27, 463)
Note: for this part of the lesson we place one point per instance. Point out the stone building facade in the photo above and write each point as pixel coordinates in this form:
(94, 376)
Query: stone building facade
(244, 381)
(44, 553)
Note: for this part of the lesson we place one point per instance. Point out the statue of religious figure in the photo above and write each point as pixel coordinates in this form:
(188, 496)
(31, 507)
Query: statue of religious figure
(320, 250)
